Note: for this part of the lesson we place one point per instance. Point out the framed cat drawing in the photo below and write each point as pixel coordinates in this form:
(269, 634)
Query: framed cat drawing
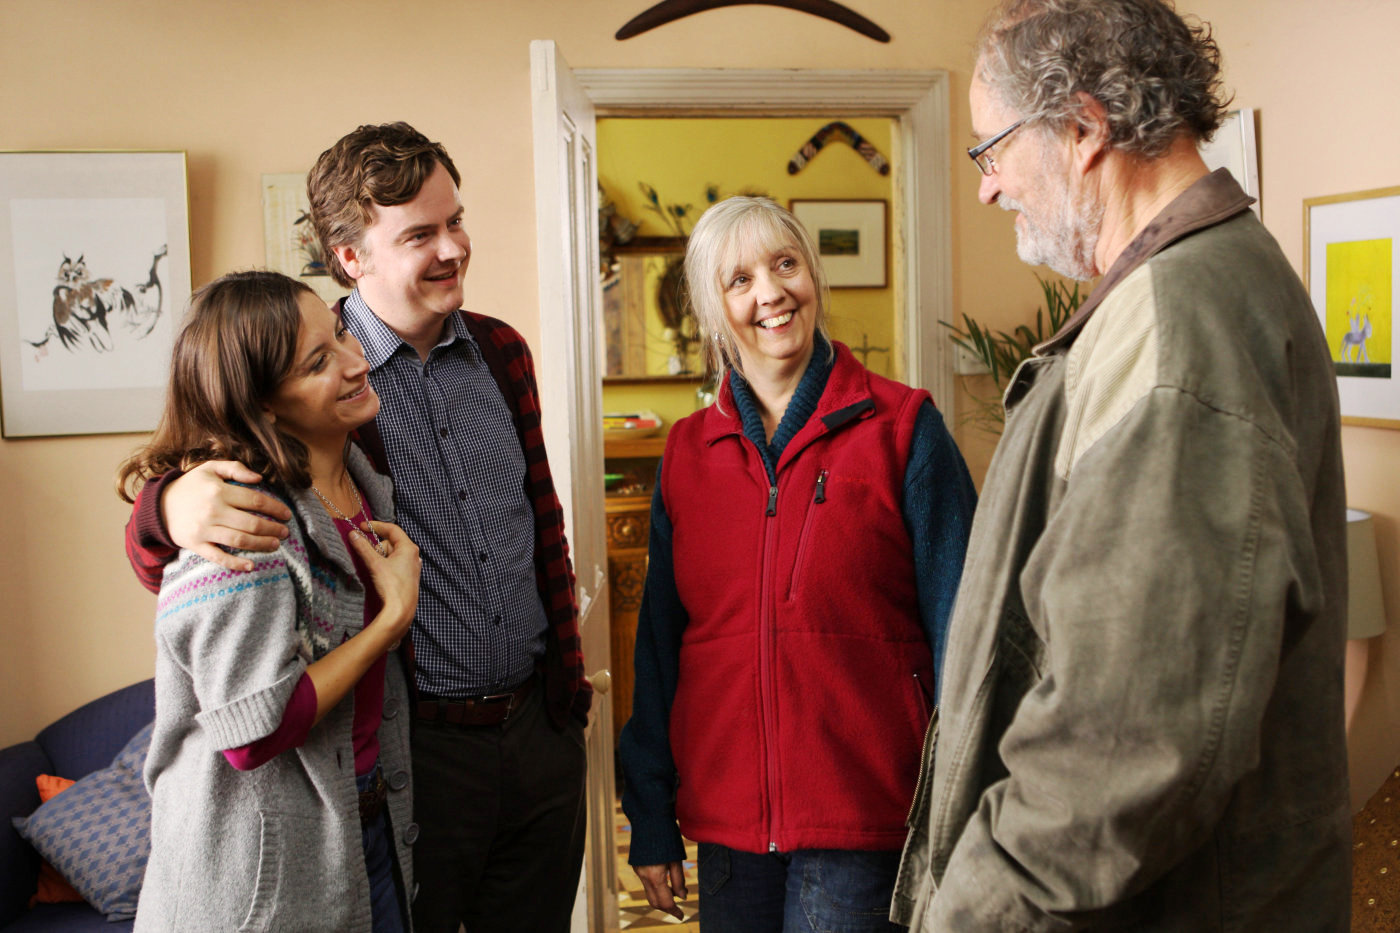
(99, 246)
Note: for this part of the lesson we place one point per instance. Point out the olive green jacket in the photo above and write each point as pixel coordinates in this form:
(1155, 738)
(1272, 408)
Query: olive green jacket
(1141, 715)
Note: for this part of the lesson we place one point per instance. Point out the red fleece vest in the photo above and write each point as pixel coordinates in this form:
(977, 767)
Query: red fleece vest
(804, 673)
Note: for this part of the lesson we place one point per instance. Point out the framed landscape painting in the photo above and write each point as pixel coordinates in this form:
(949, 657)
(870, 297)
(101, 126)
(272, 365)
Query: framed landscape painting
(851, 238)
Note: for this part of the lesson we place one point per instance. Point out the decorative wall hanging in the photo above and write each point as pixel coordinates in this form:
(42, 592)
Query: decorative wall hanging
(99, 246)
(1349, 263)
(850, 237)
(670, 10)
(289, 239)
(859, 143)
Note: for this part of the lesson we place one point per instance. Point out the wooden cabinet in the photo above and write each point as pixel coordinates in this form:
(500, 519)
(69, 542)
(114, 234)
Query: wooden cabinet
(627, 509)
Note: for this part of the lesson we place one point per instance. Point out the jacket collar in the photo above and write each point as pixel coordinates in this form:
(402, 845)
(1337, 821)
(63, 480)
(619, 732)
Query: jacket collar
(1211, 200)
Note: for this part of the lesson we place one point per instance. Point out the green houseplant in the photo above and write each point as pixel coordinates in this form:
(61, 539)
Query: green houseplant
(1001, 352)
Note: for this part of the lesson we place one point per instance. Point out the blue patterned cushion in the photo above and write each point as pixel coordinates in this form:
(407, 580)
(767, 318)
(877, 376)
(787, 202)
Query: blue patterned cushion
(97, 833)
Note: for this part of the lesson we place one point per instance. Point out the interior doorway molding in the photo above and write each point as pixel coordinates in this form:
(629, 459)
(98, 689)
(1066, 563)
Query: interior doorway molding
(922, 218)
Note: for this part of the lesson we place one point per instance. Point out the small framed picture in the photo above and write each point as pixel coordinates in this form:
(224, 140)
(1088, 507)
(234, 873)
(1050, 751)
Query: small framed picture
(851, 238)
(289, 238)
(99, 246)
(1352, 252)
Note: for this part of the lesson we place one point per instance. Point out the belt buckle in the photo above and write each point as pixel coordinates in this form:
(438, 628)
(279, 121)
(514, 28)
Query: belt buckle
(496, 698)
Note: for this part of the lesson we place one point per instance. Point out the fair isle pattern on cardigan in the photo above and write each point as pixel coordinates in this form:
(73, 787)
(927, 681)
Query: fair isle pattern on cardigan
(214, 584)
(508, 357)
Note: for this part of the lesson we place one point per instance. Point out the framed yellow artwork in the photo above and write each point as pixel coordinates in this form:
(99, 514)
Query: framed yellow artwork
(1352, 249)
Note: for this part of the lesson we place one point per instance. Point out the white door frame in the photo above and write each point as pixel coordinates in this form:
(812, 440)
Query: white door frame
(922, 215)
(570, 382)
(921, 235)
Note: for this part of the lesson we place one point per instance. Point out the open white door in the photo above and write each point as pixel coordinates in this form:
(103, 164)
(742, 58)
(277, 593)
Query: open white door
(566, 219)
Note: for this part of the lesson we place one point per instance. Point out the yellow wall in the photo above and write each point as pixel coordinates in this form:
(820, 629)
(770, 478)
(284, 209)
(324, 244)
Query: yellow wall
(679, 158)
(263, 86)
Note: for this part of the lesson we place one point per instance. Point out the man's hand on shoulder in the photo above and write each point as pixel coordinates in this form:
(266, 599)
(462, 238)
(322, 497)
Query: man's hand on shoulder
(206, 513)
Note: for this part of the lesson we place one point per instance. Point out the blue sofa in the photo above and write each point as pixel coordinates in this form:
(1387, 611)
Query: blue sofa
(85, 740)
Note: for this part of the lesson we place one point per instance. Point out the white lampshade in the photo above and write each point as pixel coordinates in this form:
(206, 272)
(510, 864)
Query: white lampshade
(1365, 605)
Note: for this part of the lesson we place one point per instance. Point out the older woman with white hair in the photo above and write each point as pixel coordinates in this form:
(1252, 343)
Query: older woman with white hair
(807, 537)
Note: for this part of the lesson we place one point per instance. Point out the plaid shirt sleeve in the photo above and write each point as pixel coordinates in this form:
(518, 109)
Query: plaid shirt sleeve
(568, 690)
(148, 545)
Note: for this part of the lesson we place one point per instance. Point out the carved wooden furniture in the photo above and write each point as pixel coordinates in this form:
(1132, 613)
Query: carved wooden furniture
(627, 509)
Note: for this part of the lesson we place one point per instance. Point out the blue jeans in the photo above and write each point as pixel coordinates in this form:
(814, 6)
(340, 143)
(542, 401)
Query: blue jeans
(385, 909)
(808, 891)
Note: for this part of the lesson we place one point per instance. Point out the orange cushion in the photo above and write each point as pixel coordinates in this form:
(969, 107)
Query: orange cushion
(53, 889)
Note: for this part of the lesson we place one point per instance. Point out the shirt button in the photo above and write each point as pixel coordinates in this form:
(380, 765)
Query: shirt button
(398, 780)
(461, 494)
(442, 431)
(496, 620)
(482, 557)
(410, 836)
(391, 707)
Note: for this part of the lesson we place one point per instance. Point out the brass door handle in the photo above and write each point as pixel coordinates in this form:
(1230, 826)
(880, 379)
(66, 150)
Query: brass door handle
(601, 680)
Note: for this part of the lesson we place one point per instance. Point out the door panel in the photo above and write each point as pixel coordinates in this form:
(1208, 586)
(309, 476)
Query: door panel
(566, 185)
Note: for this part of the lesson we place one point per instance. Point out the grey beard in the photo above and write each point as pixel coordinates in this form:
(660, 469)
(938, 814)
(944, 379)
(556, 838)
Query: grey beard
(1069, 249)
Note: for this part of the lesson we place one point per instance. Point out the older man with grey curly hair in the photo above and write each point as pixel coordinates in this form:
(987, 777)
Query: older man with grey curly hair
(1141, 712)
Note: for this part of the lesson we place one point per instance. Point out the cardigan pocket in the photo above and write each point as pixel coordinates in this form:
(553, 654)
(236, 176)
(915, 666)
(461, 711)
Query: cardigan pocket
(288, 847)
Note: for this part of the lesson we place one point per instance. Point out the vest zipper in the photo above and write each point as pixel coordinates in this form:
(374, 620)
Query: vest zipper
(766, 660)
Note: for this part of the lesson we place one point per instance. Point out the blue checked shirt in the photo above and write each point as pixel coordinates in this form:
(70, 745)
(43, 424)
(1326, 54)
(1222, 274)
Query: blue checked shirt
(459, 492)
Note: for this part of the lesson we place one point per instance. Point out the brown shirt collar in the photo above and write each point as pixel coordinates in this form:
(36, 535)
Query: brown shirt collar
(1210, 200)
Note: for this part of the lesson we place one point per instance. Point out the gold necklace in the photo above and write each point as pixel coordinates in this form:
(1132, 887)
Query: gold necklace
(360, 508)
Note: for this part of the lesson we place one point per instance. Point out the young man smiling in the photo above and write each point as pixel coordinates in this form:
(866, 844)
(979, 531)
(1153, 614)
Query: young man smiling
(501, 699)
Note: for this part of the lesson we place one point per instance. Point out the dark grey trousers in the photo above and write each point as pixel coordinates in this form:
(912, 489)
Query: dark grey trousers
(501, 816)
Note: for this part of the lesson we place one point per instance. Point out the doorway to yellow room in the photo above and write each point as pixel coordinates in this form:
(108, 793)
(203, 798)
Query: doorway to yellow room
(656, 176)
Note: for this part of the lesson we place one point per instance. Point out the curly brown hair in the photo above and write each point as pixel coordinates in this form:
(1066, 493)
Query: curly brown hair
(237, 343)
(383, 164)
(1156, 75)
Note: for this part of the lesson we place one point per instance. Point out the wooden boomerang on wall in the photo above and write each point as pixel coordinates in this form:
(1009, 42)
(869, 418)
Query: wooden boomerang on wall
(670, 10)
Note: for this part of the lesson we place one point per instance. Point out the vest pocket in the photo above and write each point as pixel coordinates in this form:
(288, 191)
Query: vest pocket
(818, 497)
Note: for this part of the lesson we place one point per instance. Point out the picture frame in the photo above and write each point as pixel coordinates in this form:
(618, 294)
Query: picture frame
(1234, 146)
(100, 247)
(851, 237)
(289, 242)
(1351, 254)
(648, 333)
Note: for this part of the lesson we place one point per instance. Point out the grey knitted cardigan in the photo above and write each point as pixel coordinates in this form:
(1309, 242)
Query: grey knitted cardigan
(278, 847)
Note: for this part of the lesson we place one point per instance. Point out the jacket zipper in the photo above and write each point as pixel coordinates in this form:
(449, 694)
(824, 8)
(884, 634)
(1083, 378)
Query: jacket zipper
(924, 758)
(766, 661)
(818, 497)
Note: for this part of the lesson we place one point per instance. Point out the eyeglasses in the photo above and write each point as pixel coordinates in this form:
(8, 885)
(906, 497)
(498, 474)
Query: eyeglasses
(982, 157)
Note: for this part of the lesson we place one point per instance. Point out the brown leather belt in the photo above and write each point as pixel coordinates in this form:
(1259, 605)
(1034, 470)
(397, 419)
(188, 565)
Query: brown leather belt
(474, 711)
(372, 800)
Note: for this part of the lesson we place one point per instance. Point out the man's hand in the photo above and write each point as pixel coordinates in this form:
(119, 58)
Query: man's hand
(202, 512)
(663, 884)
